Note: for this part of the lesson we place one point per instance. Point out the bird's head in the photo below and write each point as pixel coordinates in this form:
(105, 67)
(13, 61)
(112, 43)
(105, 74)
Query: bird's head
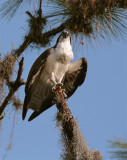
(64, 37)
(65, 34)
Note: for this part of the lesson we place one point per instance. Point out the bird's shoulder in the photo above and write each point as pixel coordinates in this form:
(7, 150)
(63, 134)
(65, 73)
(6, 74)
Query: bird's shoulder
(38, 64)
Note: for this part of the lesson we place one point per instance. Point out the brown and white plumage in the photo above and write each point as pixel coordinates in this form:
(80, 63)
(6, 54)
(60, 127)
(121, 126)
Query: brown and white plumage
(53, 67)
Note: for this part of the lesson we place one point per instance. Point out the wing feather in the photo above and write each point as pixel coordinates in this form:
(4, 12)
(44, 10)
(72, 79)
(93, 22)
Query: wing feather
(38, 64)
(75, 76)
(35, 70)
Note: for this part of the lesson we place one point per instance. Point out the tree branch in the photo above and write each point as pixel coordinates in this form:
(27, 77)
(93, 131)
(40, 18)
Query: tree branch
(38, 37)
(75, 146)
(54, 31)
(40, 10)
(23, 46)
(14, 87)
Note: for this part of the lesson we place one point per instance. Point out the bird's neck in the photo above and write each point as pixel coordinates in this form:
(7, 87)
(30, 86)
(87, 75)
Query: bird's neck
(64, 49)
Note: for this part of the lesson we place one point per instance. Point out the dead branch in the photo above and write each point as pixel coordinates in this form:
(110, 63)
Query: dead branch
(75, 147)
(23, 46)
(40, 10)
(14, 86)
(55, 31)
(35, 34)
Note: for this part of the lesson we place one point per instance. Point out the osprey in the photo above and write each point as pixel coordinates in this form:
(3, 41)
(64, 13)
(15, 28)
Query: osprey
(53, 67)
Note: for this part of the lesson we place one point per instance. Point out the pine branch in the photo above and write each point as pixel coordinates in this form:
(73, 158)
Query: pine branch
(35, 34)
(75, 147)
(14, 86)
(92, 18)
(119, 146)
(23, 46)
(43, 40)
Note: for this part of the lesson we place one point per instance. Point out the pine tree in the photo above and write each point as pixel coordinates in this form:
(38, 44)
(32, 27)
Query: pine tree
(119, 149)
(86, 19)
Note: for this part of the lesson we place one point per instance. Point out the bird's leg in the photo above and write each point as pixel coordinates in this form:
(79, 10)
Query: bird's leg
(57, 85)
(54, 81)
(59, 82)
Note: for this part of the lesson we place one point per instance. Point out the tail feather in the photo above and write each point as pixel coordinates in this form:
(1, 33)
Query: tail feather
(37, 113)
(24, 112)
(34, 115)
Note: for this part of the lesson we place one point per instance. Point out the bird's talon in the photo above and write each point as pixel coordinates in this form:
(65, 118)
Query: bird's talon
(65, 96)
(57, 88)
(53, 88)
(64, 90)
(59, 84)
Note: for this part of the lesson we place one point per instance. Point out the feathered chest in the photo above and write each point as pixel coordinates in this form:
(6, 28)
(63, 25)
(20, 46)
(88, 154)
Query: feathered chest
(63, 52)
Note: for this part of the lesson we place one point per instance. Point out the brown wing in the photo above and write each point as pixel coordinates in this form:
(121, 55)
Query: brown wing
(46, 104)
(35, 70)
(38, 64)
(75, 76)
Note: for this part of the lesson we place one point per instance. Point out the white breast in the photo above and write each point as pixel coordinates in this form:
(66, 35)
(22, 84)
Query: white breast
(64, 50)
(55, 69)
(58, 61)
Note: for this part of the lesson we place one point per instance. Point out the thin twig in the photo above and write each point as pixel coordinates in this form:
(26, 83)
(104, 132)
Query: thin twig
(16, 58)
(54, 31)
(40, 10)
(10, 144)
(30, 15)
(23, 46)
(14, 87)
(40, 4)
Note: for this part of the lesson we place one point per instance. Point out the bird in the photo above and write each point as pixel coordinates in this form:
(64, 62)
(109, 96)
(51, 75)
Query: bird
(53, 68)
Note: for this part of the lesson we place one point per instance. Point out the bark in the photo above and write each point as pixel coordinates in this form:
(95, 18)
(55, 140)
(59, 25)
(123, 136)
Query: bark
(74, 144)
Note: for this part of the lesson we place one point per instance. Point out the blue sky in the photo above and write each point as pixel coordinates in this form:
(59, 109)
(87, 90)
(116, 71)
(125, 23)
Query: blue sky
(99, 105)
